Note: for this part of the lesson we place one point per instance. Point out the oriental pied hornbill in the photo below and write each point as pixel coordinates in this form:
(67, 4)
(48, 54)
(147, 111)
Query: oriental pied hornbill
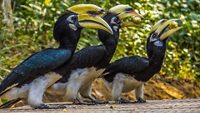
(30, 79)
(130, 73)
(88, 63)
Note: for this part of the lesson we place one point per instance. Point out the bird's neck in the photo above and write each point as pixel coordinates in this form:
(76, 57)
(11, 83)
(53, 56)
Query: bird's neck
(111, 45)
(69, 42)
(155, 63)
(68, 45)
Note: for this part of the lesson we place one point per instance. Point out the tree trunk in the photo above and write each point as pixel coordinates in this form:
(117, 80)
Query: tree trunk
(1, 4)
(6, 7)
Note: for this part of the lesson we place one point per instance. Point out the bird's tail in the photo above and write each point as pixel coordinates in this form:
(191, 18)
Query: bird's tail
(9, 103)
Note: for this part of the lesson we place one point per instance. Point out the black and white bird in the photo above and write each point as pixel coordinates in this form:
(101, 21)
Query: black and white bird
(89, 63)
(130, 73)
(30, 79)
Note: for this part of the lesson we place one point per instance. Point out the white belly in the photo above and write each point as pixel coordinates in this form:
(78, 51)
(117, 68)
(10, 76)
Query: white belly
(86, 77)
(81, 76)
(43, 81)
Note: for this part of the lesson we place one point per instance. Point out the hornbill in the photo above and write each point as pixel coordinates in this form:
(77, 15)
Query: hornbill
(30, 79)
(88, 63)
(130, 73)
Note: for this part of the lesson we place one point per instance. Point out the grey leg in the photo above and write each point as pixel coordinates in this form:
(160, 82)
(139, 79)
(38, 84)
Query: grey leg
(36, 91)
(117, 90)
(139, 93)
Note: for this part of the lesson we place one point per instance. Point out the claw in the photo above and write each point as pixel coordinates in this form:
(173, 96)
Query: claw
(79, 102)
(42, 106)
(123, 101)
(45, 106)
(94, 102)
(140, 100)
(59, 107)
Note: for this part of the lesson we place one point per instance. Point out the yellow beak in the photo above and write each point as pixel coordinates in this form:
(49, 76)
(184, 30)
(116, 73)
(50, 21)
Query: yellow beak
(157, 24)
(129, 14)
(96, 22)
(162, 25)
(133, 23)
(86, 9)
(168, 33)
(123, 11)
(132, 14)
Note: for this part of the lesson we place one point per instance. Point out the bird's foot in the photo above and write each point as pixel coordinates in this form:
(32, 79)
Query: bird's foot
(80, 102)
(58, 107)
(45, 106)
(123, 101)
(140, 100)
(94, 102)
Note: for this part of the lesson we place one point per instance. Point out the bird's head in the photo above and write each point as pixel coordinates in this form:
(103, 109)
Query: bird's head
(119, 12)
(114, 17)
(78, 17)
(159, 34)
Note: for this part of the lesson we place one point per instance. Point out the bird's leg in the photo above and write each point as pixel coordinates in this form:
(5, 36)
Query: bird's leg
(117, 90)
(86, 93)
(72, 89)
(36, 91)
(139, 93)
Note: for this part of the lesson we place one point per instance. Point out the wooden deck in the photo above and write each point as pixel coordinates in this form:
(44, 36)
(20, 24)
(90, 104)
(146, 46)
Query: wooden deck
(152, 106)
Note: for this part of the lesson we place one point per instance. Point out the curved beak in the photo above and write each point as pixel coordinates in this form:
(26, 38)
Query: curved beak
(160, 27)
(96, 22)
(86, 9)
(157, 24)
(164, 25)
(168, 33)
(132, 14)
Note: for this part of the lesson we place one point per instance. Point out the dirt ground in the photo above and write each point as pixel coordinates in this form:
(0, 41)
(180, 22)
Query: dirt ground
(158, 106)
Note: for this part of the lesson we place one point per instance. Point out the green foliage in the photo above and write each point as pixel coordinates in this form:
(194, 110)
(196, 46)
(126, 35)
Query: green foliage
(34, 20)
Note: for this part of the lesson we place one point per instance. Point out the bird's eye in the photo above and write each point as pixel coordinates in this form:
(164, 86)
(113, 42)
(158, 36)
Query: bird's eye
(71, 18)
(128, 9)
(114, 20)
(153, 37)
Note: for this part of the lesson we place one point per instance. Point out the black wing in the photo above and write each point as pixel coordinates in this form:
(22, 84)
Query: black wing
(87, 57)
(128, 65)
(37, 64)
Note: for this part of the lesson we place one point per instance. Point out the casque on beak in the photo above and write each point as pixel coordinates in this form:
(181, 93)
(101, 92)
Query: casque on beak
(124, 11)
(160, 27)
(130, 13)
(90, 21)
(86, 9)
